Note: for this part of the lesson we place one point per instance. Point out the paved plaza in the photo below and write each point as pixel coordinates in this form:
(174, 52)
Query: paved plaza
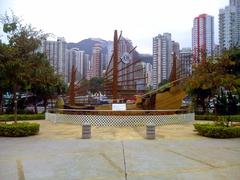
(58, 152)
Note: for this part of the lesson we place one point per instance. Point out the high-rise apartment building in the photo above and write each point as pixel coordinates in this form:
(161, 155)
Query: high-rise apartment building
(93, 63)
(185, 62)
(109, 52)
(148, 68)
(131, 73)
(126, 75)
(140, 76)
(86, 64)
(162, 58)
(56, 54)
(176, 48)
(229, 25)
(202, 38)
(176, 51)
(75, 58)
(96, 61)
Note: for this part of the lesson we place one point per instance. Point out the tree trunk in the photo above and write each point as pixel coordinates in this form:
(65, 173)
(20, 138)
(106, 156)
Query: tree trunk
(45, 104)
(15, 102)
(1, 101)
(203, 105)
(51, 103)
(35, 105)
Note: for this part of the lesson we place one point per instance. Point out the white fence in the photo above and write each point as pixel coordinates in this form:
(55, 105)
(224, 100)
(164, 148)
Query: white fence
(119, 120)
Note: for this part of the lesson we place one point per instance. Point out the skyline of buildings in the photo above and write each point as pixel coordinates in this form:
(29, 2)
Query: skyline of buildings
(94, 64)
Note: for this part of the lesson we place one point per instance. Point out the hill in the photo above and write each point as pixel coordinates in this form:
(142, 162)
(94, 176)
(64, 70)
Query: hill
(87, 44)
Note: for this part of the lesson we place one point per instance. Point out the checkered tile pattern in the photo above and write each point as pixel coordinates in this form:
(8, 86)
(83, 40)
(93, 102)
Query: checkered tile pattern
(118, 120)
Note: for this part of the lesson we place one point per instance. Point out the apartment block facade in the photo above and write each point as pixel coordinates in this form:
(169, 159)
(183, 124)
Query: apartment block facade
(229, 25)
(56, 54)
(185, 62)
(75, 58)
(162, 58)
(202, 38)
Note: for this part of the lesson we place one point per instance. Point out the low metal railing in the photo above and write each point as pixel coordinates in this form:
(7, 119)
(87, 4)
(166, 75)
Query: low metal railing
(120, 118)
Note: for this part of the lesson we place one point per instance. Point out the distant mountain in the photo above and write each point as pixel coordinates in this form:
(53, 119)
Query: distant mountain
(87, 44)
(147, 58)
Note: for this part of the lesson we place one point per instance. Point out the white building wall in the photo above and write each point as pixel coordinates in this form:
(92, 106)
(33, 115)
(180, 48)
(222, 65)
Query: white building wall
(229, 25)
(56, 54)
(75, 57)
(148, 74)
(162, 58)
(209, 35)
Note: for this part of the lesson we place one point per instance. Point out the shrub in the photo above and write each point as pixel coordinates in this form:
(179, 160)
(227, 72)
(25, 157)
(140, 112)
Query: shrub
(211, 117)
(10, 117)
(19, 129)
(217, 131)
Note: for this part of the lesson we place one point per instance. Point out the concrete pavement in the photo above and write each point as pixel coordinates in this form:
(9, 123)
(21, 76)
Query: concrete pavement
(42, 158)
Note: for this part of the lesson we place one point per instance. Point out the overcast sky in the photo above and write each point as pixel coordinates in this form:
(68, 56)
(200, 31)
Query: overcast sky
(140, 20)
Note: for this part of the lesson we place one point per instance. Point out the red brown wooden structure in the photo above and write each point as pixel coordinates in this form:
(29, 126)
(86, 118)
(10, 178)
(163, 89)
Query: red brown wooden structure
(119, 79)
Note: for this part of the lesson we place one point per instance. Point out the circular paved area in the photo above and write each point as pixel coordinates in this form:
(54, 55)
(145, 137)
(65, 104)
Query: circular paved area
(61, 131)
(58, 152)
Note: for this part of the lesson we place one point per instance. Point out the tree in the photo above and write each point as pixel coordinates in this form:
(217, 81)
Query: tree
(96, 85)
(84, 86)
(44, 82)
(4, 51)
(23, 42)
(23, 67)
(208, 79)
(203, 83)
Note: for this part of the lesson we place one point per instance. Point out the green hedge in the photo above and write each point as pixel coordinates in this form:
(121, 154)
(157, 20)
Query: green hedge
(210, 117)
(10, 117)
(19, 129)
(216, 131)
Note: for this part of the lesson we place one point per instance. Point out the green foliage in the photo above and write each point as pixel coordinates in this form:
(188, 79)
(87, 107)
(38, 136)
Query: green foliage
(45, 83)
(226, 104)
(18, 54)
(202, 84)
(60, 103)
(164, 87)
(84, 85)
(19, 129)
(10, 117)
(208, 78)
(163, 82)
(96, 85)
(22, 67)
(8, 27)
(211, 117)
(222, 121)
(217, 131)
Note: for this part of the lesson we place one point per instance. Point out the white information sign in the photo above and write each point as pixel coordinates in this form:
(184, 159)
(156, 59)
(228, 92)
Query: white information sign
(119, 107)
